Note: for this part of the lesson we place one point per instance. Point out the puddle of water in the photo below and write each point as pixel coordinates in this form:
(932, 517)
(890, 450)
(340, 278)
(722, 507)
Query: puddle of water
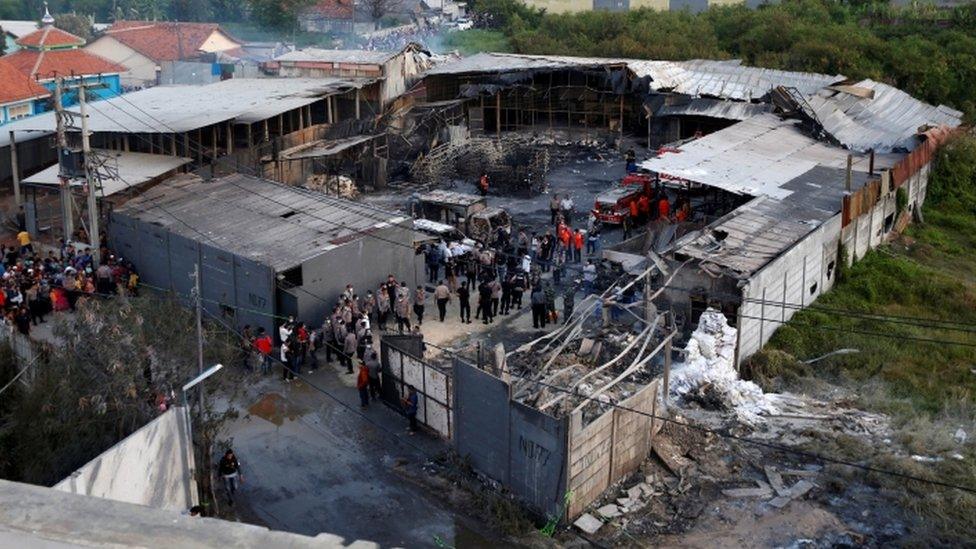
(275, 408)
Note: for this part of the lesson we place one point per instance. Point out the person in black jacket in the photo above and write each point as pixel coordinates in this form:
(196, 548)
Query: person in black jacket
(230, 470)
(464, 302)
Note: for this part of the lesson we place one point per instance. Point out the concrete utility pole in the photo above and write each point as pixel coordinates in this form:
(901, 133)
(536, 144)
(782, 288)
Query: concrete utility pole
(15, 168)
(93, 229)
(67, 213)
(199, 307)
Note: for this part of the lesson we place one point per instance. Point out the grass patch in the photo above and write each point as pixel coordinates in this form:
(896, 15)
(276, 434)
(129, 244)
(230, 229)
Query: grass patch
(476, 40)
(927, 275)
(928, 388)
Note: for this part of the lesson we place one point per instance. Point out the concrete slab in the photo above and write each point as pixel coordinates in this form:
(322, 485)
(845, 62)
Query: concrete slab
(588, 523)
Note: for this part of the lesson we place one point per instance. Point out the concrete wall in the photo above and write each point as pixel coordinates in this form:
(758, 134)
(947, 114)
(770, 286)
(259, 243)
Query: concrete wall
(797, 278)
(39, 517)
(166, 260)
(518, 446)
(794, 280)
(364, 263)
(142, 70)
(153, 466)
(610, 447)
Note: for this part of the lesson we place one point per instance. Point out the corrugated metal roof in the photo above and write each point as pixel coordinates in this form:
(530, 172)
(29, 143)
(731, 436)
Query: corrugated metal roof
(754, 234)
(133, 169)
(339, 56)
(755, 157)
(727, 79)
(441, 196)
(715, 108)
(169, 109)
(324, 147)
(270, 223)
(887, 122)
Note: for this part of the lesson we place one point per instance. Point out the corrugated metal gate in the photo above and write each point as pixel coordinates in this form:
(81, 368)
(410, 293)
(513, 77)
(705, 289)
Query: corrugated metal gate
(401, 367)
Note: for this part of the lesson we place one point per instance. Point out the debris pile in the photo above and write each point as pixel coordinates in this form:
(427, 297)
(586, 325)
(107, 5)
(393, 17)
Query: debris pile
(708, 373)
(333, 185)
(775, 490)
(514, 164)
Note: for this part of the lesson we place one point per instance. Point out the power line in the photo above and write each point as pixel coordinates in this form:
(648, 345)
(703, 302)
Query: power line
(866, 316)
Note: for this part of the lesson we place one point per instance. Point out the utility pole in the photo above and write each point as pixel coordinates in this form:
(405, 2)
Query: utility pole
(15, 168)
(67, 213)
(199, 307)
(93, 229)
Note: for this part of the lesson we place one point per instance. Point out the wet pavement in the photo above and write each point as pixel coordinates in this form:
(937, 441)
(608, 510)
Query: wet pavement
(314, 464)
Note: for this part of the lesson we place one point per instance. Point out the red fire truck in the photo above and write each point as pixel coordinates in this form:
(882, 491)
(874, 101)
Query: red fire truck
(611, 206)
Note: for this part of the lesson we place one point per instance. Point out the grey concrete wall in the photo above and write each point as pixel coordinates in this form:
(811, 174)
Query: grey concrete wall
(481, 420)
(166, 260)
(153, 466)
(364, 263)
(35, 516)
(516, 445)
(537, 458)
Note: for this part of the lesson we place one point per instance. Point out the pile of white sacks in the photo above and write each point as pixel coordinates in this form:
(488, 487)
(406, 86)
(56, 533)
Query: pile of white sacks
(709, 358)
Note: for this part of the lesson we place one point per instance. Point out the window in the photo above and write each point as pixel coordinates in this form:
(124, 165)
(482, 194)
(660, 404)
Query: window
(813, 288)
(15, 112)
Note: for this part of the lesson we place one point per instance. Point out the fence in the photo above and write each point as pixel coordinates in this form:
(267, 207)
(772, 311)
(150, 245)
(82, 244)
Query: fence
(401, 367)
(25, 353)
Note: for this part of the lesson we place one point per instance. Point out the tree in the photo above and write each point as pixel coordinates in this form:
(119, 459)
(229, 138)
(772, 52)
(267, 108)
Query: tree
(78, 25)
(101, 384)
(278, 14)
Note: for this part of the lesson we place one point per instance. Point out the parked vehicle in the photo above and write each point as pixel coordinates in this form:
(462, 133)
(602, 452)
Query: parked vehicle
(612, 206)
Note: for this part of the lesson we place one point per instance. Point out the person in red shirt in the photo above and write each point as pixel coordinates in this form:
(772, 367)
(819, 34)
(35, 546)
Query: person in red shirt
(483, 184)
(362, 383)
(264, 345)
(634, 212)
(578, 245)
(565, 236)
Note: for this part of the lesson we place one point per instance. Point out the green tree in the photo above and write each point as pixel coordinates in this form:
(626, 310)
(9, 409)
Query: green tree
(78, 25)
(278, 14)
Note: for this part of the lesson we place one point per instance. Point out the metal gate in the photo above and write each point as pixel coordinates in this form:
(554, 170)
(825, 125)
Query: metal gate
(402, 367)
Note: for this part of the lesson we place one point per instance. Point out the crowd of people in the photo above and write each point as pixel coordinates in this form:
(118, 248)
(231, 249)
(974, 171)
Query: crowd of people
(36, 283)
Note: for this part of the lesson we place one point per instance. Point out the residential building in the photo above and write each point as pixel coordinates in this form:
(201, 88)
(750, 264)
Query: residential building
(20, 96)
(49, 52)
(148, 48)
(335, 16)
(14, 29)
(397, 70)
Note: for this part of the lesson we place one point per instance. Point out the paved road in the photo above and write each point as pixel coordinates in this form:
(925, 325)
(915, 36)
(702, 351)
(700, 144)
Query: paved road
(312, 465)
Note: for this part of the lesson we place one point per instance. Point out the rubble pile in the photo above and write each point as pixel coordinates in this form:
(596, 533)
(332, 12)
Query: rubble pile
(333, 185)
(708, 371)
(514, 164)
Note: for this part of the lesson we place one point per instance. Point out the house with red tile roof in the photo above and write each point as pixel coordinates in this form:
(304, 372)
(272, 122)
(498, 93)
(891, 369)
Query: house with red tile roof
(20, 97)
(145, 47)
(49, 53)
(337, 16)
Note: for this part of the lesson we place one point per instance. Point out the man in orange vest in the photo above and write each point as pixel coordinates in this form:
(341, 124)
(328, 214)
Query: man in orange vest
(483, 184)
(578, 245)
(664, 207)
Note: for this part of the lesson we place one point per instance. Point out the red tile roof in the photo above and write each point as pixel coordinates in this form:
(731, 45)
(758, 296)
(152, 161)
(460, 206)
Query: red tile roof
(48, 64)
(333, 9)
(15, 86)
(50, 37)
(162, 40)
